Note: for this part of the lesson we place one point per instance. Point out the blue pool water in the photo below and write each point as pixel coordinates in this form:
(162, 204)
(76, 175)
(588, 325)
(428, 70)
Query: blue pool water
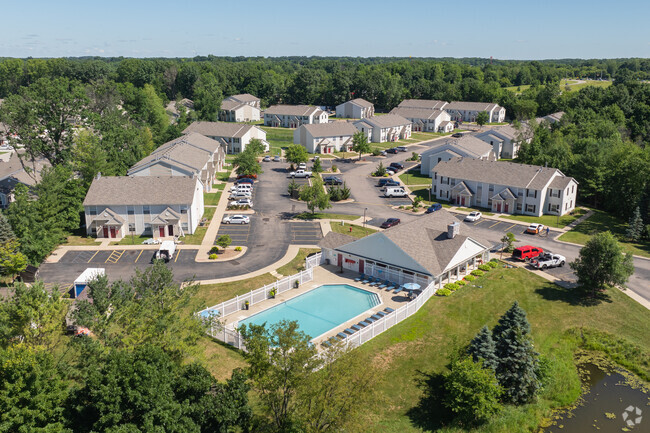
(319, 310)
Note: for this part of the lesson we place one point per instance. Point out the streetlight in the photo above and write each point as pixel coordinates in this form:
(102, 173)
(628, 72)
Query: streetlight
(364, 220)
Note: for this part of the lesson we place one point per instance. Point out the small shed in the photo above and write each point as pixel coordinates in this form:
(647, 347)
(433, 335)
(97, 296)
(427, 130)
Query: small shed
(86, 276)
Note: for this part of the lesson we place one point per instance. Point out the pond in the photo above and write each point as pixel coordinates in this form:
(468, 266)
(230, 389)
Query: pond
(609, 404)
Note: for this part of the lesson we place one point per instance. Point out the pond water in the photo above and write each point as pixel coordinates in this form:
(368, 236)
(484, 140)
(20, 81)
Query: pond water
(609, 405)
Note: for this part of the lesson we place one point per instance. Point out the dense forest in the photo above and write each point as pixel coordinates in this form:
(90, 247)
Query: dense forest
(91, 115)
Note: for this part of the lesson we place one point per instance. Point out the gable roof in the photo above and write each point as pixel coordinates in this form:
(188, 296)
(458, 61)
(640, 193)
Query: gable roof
(385, 121)
(29, 175)
(292, 110)
(333, 240)
(417, 113)
(421, 245)
(430, 104)
(330, 129)
(243, 97)
(192, 151)
(219, 129)
(561, 182)
(471, 106)
(497, 172)
(360, 102)
(141, 190)
(468, 145)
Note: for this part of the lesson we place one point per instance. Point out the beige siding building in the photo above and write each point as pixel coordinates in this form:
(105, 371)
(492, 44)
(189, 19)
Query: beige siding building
(236, 136)
(425, 119)
(325, 137)
(292, 116)
(389, 127)
(467, 111)
(355, 109)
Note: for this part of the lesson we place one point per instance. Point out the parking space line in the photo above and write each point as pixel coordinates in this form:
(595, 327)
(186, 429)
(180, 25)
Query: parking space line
(509, 227)
(178, 253)
(136, 259)
(93, 256)
(496, 223)
(115, 256)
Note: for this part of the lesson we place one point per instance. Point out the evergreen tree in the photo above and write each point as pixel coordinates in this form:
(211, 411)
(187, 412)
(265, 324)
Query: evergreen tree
(518, 361)
(6, 233)
(482, 347)
(635, 226)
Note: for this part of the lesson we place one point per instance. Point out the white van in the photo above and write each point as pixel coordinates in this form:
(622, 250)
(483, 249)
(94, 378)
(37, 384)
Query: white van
(242, 187)
(395, 191)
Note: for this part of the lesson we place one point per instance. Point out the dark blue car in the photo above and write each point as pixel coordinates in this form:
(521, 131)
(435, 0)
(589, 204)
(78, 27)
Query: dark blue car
(434, 207)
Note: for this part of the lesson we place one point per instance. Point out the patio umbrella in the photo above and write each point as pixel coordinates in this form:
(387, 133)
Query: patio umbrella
(411, 286)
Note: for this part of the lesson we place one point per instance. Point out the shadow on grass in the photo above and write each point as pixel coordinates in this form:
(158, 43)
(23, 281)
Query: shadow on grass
(429, 414)
(573, 296)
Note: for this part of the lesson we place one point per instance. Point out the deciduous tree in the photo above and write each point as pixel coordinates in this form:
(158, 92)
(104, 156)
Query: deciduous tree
(315, 195)
(296, 154)
(360, 143)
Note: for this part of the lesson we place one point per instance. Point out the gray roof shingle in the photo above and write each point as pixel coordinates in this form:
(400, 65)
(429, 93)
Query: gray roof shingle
(416, 113)
(219, 129)
(497, 172)
(243, 97)
(332, 129)
(471, 106)
(334, 240)
(292, 110)
(386, 121)
(431, 104)
(141, 190)
(361, 102)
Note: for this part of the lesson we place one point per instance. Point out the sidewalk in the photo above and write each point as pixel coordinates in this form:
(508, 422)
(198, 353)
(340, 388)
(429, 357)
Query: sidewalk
(213, 228)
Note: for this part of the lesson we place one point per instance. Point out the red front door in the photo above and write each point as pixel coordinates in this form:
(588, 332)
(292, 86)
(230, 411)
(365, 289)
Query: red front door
(505, 209)
(161, 231)
(499, 207)
(113, 232)
(105, 232)
(340, 262)
(462, 201)
(361, 266)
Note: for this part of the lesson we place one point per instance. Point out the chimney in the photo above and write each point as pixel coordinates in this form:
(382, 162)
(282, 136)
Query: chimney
(453, 229)
(99, 175)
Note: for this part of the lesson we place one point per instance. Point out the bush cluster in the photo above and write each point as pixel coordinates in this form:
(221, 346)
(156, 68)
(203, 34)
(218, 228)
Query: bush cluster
(484, 268)
(492, 263)
(214, 250)
(452, 286)
(212, 256)
(443, 292)
(470, 278)
(237, 248)
(477, 273)
(461, 282)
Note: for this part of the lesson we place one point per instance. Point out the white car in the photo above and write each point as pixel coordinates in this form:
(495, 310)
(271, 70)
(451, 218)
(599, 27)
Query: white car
(242, 202)
(535, 228)
(473, 216)
(302, 166)
(151, 241)
(236, 219)
(390, 172)
(240, 194)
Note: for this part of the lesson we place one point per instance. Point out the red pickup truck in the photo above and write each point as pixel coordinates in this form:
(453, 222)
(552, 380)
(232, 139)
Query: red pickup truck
(526, 252)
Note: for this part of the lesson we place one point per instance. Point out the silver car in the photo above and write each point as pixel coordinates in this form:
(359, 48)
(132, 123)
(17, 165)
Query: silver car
(242, 202)
(236, 219)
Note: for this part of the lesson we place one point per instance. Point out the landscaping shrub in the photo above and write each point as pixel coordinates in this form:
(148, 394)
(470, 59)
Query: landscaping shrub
(214, 250)
(484, 268)
(452, 286)
(334, 168)
(470, 278)
(461, 283)
(492, 264)
(380, 170)
(212, 256)
(237, 248)
(443, 292)
(376, 152)
(477, 273)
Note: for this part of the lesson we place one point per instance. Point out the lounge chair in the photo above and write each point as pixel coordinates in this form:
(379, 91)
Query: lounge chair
(388, 310)
(326, 343)
(356, 327)
(342, 336)
(349, 331)
(363, 276)
(371, 319)
(376, 317)
(380, 314)
(366, 279)
(399, 289)
(383, 285)
(376, 282)
(362, 324)
(391, 286)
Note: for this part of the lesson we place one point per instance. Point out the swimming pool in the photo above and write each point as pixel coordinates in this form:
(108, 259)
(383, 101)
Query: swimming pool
(319, 310)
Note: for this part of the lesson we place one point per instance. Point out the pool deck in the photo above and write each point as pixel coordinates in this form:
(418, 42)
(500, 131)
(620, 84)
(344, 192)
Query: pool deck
(324, 275)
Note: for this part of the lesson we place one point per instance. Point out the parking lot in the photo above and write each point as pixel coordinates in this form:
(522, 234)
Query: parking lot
(505, 226)
(305, 232)
(239, 233)
(118, 256)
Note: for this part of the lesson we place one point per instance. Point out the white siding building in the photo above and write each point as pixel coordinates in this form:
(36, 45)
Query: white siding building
(389, 127)
(506, 140)
(192, 155)
(424, 119)
(428, 104)
(326, 137)
(466, 146)
(158, 206)
(467, 111)
(233, 111)
(245, 98)
(505, 187)
(236, 136)
(355, 109)
(292, 116)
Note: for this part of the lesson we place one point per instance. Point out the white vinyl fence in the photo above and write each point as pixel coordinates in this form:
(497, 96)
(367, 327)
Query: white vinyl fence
(233, 337)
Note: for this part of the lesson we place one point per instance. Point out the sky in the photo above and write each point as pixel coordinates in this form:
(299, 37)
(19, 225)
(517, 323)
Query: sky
(542, 29)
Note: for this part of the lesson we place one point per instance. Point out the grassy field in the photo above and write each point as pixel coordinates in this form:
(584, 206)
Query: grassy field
(550, 220)
(413, 177)
(219, 186)
(211, 198)
(298, 263)
(278, 138)
(573, 87)
(423, 193)
(599, 222)
(197, 237)
(324, 216)
(127, 240)
(80, 241)
(223, 176)
(480, 209)
(357, 231)
(423, 343)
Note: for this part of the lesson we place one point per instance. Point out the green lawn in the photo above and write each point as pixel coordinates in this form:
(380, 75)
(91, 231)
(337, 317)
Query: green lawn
(484, 211)
(594, 83)
(323, 215)
(602, 221)
(278, 138)
(423, 343)
(199, 234)
(211, 198)
(550, 220)
(80, 241)
(518, 89)
(223, 176)
(219, 186)
(423, 193)
(127, 240)
(413, 177)
(357, 231)
(298, 263)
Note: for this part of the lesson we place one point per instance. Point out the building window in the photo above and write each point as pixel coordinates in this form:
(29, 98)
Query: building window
(131, 227)
(183, 210)
(491, 188)
(130, 210)
(572, 188)
(147, 228)
(434, 189)
(530, 208)
(92, 211)
(453, 182)
(490, 203)
(146, 210)
(184, 226)
(519, 207)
